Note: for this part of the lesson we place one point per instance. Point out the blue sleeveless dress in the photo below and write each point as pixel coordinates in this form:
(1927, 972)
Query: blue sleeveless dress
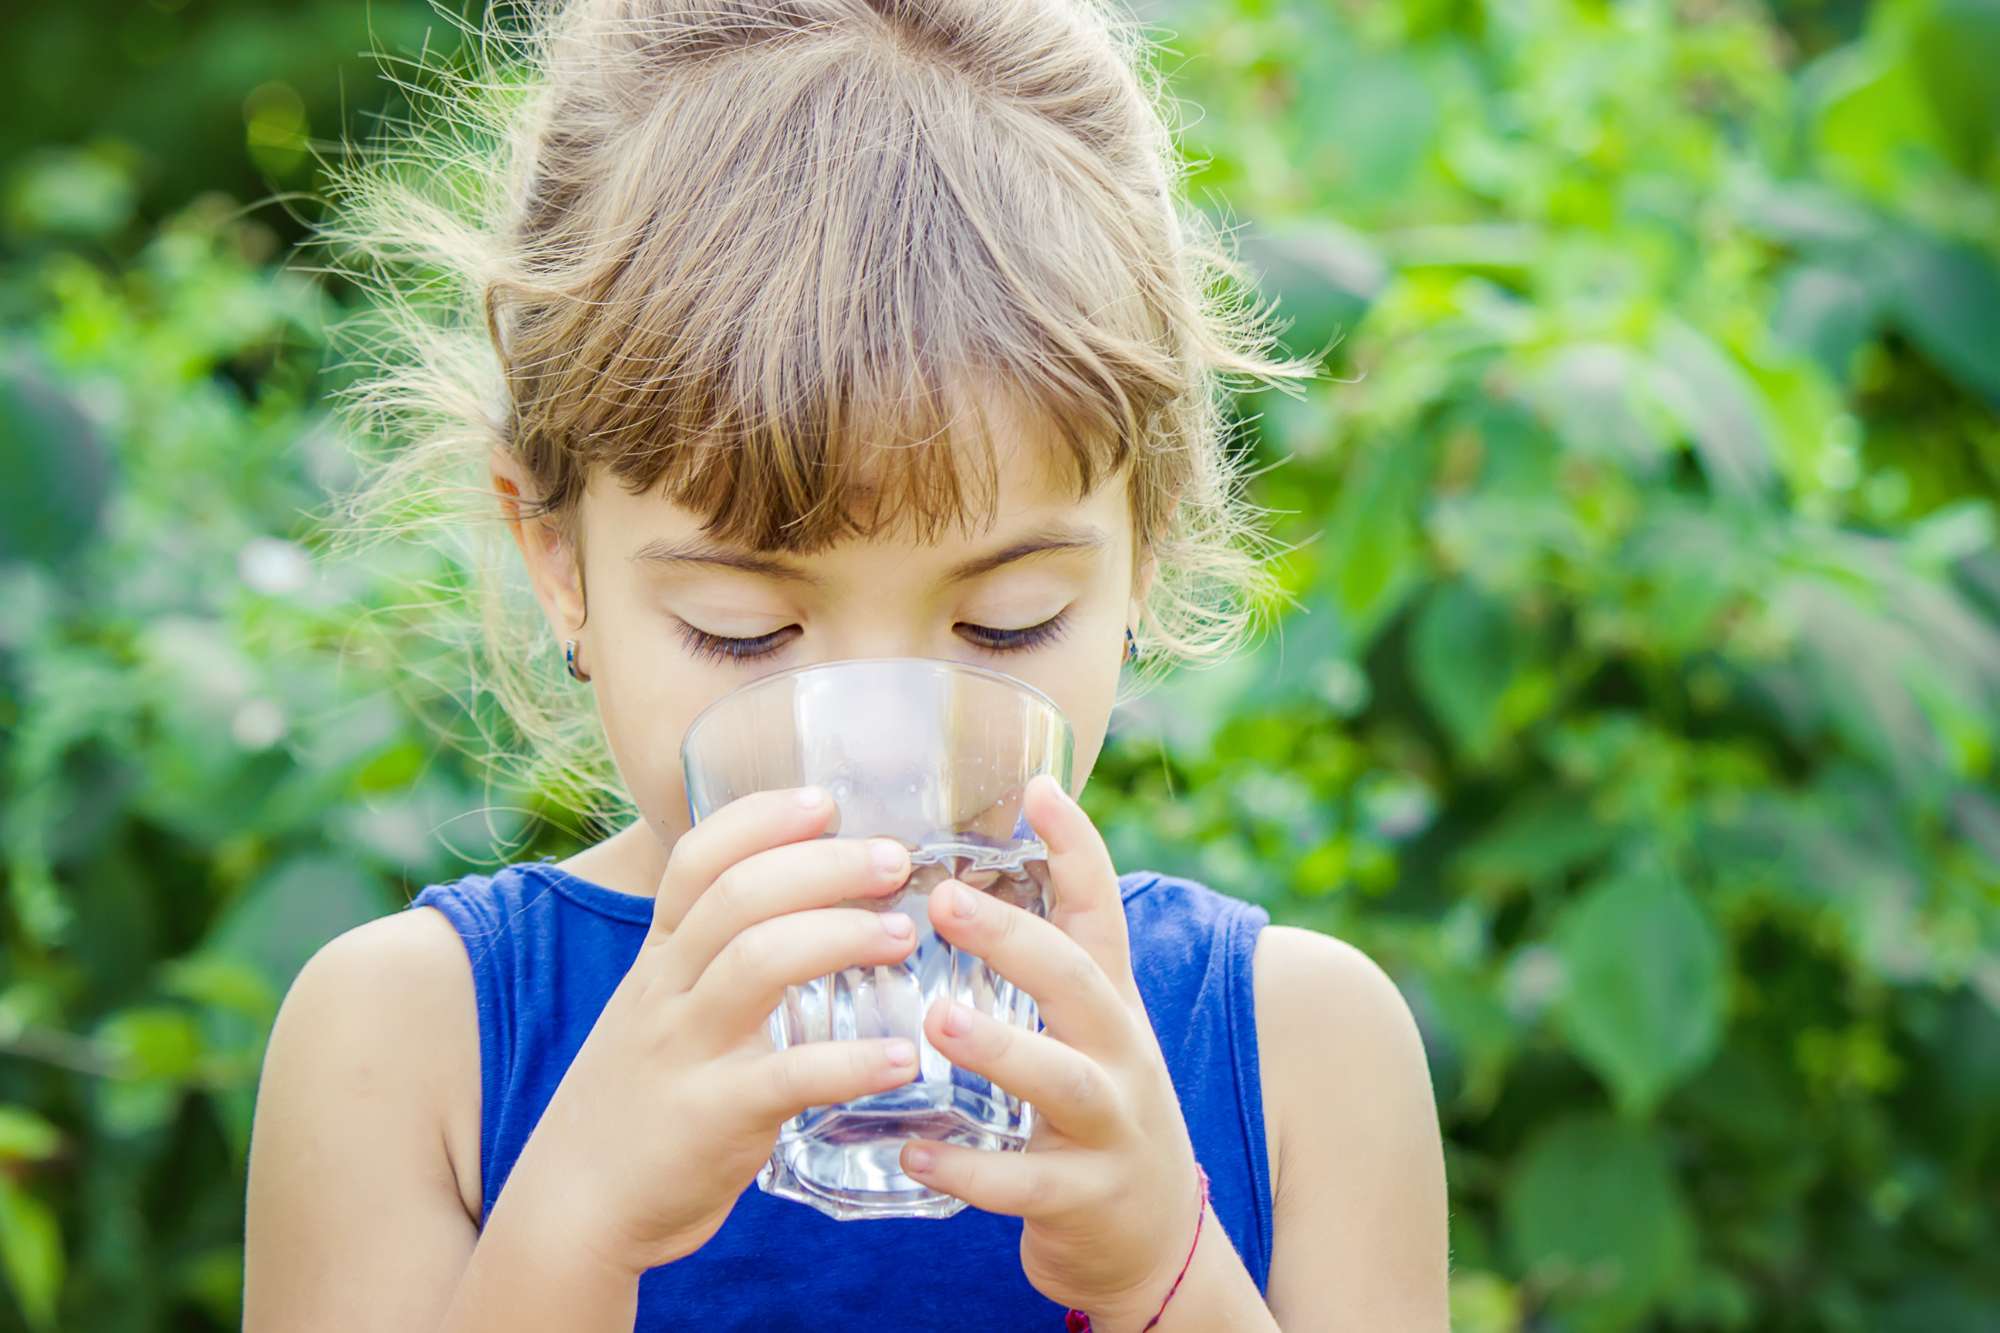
(548, 948)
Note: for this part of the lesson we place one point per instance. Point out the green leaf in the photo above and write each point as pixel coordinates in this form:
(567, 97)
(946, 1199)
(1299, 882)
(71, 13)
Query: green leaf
(1595, 1217)
(1871, 118)
(218, 982)
(1946, 296)
(1718, 406)
(1803, 213)
(1955, 47)
(1476, 1040)
(1325, 276)
(1464, 654)
(1483, 1302)
(1376, 119)
(54, 472)
(1536, 840)
(31, 1253)
(286, 915)
(1829, 312)
(1642, 1003)
(85, 193)
(1374, 556)
(1597, 397)
(155, 1042)
(131, 1108)
(213, 1279)
(25, 1136)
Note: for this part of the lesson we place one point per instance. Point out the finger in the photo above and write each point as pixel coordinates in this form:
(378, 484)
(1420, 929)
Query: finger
(747, 979)
(792, 877)
(1077, 1001)
(778, 1085)
(1067, 1088)
(744, 826)
(1087, 906)
(1018, 1184)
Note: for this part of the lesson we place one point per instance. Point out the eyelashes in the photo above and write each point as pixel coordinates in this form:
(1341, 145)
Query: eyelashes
(717, 648)
(1020, 640)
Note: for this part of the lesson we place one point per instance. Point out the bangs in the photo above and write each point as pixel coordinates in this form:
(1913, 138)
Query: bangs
(848, 464)
(809, 344)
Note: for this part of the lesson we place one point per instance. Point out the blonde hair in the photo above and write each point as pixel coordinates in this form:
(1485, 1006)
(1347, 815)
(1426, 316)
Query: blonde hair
(727, 250)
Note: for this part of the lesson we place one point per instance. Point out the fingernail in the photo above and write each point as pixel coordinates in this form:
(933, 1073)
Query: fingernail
(889, 857)
(963, 901)
(900, 1052)
(811, 798)
(918, 1159)
(957, 1019)
(898, 924)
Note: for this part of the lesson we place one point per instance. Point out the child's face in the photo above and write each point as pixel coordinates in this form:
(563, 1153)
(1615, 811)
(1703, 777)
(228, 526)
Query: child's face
(656, 644)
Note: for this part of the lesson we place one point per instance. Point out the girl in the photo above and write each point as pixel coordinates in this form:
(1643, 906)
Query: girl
(791, 331)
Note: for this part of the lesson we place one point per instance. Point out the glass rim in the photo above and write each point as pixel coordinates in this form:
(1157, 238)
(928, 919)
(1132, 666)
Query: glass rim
(968, 668)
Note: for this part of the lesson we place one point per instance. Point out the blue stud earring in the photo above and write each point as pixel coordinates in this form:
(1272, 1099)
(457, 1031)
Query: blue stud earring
(1131, 646)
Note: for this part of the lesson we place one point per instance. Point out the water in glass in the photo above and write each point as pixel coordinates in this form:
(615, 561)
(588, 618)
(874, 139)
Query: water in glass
(843, 1159)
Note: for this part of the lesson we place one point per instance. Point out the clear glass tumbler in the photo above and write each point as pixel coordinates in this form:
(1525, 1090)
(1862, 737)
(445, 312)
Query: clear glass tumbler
(936, 754)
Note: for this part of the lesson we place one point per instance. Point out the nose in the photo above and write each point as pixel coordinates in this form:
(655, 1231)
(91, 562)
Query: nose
(887, 641)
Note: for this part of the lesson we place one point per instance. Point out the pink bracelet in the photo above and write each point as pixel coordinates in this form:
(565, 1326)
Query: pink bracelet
(1076, 1321)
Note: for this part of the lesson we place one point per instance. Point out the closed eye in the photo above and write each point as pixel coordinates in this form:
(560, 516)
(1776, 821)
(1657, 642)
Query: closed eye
(1018, 640)
(720, 648)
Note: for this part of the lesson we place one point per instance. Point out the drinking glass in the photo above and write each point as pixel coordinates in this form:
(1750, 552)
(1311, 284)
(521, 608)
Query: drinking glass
(937, 755)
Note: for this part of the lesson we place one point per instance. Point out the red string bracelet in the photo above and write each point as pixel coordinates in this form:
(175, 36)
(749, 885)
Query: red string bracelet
(1076, 1321)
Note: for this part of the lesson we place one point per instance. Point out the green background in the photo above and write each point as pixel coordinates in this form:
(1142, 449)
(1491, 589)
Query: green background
(1638, 710)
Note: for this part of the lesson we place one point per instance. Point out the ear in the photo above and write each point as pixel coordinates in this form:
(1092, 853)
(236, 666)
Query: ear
(551, 560)
(1147, 566)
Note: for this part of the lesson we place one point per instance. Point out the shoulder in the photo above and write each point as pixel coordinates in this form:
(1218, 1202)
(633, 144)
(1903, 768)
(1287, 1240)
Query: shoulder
(1328, 1016)
(1356, 1152)
(411, 946)
(357, 1195)
(382, 1020)
(381, 981)
(1310, 987)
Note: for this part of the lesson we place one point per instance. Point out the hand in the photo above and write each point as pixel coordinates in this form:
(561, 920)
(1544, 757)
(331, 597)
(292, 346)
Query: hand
(674, 1101)
(1106, 1188)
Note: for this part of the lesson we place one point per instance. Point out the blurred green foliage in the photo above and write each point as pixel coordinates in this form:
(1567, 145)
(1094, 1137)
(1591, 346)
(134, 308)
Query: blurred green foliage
(1638, 711)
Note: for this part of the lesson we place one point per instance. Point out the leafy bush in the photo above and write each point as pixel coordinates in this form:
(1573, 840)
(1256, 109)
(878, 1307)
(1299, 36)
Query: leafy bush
(1640, 707)
(1637, 710)
(207, 772)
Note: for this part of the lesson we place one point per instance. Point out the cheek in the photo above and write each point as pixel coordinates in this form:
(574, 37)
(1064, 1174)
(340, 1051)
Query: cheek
(1090, 720)
(648, 691)
(1082, 675)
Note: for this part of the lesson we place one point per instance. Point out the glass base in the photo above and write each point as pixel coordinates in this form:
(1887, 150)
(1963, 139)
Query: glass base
(850, 1166)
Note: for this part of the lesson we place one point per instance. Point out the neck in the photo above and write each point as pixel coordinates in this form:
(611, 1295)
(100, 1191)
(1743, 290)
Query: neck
(631, 860)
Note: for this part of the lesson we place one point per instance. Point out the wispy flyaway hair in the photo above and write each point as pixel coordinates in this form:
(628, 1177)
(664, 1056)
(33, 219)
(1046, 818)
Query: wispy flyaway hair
(767, 259)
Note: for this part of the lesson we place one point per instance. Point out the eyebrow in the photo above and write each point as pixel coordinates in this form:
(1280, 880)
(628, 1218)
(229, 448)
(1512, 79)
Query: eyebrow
(1055, 537)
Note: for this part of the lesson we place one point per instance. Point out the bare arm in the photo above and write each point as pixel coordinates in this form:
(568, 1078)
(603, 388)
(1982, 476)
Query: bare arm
(1360, 1212)
(355, 1217)
(663, 1118)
